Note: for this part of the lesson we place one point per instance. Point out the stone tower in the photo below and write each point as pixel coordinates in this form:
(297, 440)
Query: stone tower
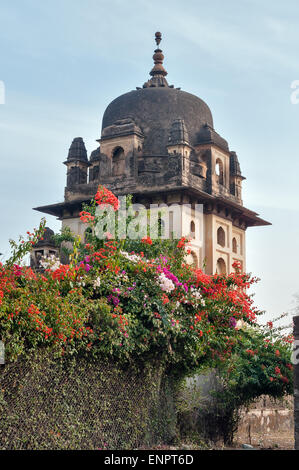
(159, 144)
(43, 248)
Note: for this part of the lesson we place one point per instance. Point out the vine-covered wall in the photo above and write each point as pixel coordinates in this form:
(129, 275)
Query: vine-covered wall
(47, 403)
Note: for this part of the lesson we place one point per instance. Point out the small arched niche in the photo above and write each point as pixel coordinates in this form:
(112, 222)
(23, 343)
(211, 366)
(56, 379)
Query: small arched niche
(192, 229)
(118, 161)
(235, 245)
(219, 171)
(221, 237)
(161, 226)
(192, 259)
(221, 266)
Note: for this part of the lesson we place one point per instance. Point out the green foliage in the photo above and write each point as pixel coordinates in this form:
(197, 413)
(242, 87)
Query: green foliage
(22, 247)
(261, 364)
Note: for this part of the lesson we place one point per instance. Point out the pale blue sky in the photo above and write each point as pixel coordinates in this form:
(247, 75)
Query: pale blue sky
(63, 61)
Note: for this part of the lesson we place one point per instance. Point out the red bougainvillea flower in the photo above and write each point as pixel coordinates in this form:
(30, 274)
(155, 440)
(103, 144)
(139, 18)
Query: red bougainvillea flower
(270, 324)
(86, 217)
(147, 240)
(104, 196)
(61, 273)
(250, 352)
(237, 266)
(182, 242)
(277, 352)
(89, 247)
(17, 270)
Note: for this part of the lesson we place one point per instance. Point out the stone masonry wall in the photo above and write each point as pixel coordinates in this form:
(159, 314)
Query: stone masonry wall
(268, 416)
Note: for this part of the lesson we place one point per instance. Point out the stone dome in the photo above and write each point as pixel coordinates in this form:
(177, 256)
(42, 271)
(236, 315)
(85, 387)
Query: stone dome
(154, 109)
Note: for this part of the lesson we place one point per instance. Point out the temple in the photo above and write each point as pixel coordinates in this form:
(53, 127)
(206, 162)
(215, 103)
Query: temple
(159, 144)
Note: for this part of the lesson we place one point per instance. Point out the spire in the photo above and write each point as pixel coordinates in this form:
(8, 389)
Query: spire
(158, 72)
(77, 151)
(158, 59)
(235, 169)
(178, 133)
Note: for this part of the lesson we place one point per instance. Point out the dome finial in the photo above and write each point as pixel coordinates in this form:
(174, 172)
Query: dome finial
(158, 38)
(158, 59)
(158, 72)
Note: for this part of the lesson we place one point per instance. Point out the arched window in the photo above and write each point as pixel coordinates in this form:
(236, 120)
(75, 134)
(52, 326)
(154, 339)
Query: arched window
(221, 237)
(192, 229)
(39, 254)
(219, 171)
(235, 246)
(161, 226)
(221, 266)
(118, 162)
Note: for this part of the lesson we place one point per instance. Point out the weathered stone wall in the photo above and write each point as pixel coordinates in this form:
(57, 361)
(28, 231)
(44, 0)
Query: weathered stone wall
(201, 411)
(296, 384)
(268, 416)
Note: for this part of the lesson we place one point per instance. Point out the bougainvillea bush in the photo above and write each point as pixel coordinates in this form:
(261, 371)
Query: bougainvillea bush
(260, 364)
(137, 302)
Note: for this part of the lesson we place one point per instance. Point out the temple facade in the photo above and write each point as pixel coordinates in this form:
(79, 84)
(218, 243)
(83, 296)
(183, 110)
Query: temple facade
(159, 144)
